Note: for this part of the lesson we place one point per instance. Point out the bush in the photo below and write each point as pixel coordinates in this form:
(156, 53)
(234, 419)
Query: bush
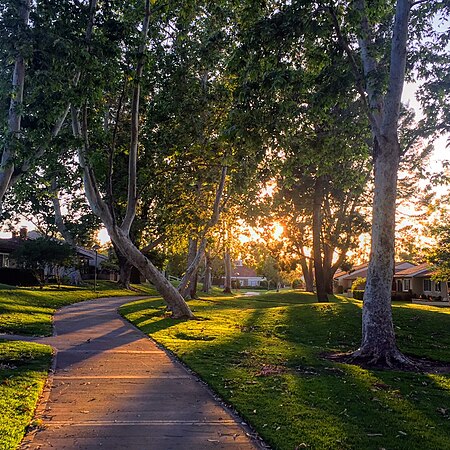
(358, 295)
(340, 289)
(402, 297)
(359, 284)
(18, 277)
(298, 284)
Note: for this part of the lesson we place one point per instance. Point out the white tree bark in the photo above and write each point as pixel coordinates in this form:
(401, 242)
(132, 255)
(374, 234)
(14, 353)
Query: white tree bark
(378, 341)
(120, 235)
(217, 209)
(7, 163)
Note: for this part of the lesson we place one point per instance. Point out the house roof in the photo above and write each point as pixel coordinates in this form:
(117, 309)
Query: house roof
(341, 273)
(243, 272)
(421, 270)
(361, 271)
(9, 245)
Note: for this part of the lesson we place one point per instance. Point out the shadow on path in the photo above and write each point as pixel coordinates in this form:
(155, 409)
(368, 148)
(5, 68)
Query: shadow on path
(113, 387)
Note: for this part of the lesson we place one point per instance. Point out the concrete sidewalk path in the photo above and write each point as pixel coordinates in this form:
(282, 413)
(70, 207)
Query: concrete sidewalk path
(113, 388)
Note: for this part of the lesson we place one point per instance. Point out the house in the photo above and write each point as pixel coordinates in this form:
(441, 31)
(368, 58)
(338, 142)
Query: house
(8, 246)
(87, 259)
(244, 276)
(346, 279)
(418, 280)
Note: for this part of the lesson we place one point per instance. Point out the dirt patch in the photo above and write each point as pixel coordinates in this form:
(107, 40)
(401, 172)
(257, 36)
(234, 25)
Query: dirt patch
(419, 365)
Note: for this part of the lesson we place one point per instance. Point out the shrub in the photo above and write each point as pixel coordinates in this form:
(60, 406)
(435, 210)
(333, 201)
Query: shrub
(359, 284)
(358, 294)
(402, 296)
(340, 289)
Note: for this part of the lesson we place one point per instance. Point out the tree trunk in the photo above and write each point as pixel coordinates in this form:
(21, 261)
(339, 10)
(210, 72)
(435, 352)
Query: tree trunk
(207, 281)
(192, 286)
(59, 220)
(317, 241)
(15, 108)
(308, 275)
(378, 344)
(328, 277)
(124, 271)
(227, 284)
(172, 297)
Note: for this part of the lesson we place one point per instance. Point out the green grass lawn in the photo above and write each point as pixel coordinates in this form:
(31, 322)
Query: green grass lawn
(29, 311)
(24, 366)
(263, 356)
(23, 371)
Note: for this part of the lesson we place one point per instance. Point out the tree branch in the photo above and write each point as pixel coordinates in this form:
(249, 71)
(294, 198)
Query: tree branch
(398, 66)
(132, 163)
(7, 162)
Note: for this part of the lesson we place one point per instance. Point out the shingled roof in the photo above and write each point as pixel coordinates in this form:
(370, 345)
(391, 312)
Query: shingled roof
(243, 272)
(422, 270)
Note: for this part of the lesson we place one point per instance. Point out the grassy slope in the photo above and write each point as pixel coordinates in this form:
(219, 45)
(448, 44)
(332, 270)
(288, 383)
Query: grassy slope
(24, 366)
(262, 355)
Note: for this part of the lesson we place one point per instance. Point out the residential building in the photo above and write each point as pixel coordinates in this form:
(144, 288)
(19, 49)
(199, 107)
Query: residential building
(346, 279)
(418, 280)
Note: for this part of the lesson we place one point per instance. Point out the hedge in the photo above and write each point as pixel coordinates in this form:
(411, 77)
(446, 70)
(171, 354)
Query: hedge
(397, 296)
(17, 277)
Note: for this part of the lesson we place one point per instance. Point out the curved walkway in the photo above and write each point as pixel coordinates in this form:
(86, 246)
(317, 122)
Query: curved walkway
(114, 388)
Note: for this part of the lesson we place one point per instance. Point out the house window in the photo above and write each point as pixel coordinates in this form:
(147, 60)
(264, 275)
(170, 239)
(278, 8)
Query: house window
(4, 260)
(406, 285)
(427, 285)
(437, 286)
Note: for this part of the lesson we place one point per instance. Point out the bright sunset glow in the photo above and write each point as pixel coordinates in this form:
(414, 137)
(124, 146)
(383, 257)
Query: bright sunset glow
(103, 236)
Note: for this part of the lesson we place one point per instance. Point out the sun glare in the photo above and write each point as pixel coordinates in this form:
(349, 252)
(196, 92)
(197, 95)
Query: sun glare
(103, 236)
(277, 230)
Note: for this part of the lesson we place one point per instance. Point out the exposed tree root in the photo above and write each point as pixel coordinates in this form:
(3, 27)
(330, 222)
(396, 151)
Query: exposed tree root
(393, 360)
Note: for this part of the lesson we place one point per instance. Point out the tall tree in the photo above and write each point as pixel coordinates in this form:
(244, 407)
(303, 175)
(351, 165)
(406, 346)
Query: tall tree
(381, 36)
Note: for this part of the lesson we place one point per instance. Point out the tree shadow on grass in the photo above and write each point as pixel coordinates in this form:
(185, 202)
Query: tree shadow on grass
(268, 366)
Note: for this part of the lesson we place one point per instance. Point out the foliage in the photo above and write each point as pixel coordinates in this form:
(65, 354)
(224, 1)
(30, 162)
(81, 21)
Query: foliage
(45, 257)
(358, 284)
(264, 356)
(23, 371)
(17, 277)
(29, 311)
(358, 295)
(439, 255)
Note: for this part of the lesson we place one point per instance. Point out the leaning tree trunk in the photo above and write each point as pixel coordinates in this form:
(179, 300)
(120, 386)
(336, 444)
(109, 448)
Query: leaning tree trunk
(317, 241)
(192, 286)
(173, 298)
(227, 284)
